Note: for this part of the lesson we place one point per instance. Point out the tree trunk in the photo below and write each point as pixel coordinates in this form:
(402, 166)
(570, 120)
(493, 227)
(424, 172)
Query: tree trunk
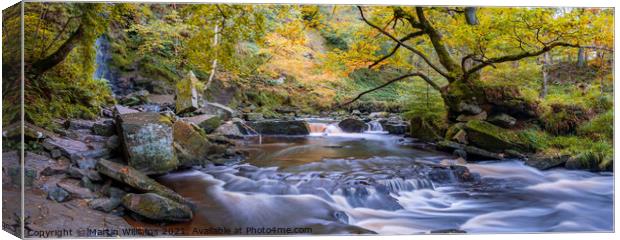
(545, 70)
(57, 57)
(214, 64)
(581, 58)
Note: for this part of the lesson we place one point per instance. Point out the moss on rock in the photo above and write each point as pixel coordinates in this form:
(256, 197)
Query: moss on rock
(496, 139)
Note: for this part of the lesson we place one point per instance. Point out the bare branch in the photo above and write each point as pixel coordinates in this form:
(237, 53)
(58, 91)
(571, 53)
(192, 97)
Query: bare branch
(415, 74)
(424, 57)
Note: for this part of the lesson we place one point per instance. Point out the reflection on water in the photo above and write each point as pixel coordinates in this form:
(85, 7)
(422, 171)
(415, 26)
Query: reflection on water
(361, 183)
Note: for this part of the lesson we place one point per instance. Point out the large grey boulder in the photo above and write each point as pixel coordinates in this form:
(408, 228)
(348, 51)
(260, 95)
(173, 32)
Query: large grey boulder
(147, 142)
(156, 207)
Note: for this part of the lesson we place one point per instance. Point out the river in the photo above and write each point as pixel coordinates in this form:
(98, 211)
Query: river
(341, 183)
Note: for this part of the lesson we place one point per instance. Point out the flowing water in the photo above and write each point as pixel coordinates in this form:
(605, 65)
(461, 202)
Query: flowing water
(334, 182)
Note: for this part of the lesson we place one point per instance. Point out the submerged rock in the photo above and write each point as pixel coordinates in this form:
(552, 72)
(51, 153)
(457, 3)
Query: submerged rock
(351, 125)
(281, 127)
(137, 180)
(156, 207)
(147, 142)
(186, 94)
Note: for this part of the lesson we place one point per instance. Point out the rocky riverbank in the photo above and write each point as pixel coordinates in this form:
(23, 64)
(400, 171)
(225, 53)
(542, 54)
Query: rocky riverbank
(107, 167)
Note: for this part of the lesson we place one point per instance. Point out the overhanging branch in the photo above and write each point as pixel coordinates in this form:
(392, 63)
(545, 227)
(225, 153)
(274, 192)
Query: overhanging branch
(415, 74)
(516, 57)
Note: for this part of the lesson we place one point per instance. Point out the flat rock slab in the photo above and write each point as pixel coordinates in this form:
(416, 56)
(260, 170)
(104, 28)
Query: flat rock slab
(73, 187)
(67, 146)
(47, 215)
(137, 180)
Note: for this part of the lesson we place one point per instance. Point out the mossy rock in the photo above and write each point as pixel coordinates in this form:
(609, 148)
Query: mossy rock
(453, 130)
(496, 139)
(565, 118)
(186, 94)
(191, 144)
(424, 129)
(207, 122)
(155, 207)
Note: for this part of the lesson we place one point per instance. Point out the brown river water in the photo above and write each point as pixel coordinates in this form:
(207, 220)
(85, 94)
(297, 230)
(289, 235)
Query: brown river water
(338, 183)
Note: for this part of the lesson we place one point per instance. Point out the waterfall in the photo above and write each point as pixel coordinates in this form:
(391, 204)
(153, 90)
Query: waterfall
(324, 128)
(374, 126)
(102, 66)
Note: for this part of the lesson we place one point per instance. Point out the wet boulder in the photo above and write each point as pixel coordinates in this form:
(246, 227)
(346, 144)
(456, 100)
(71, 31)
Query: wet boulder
(156, 207)
(147, 142)
(186, 94)
(395, 127)
(191, 143)
(280, 127)
(207, 122)
(224, 112)
(471, 153)
(544, 161)
(492, 138)
(351, 125)
(137, 180)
